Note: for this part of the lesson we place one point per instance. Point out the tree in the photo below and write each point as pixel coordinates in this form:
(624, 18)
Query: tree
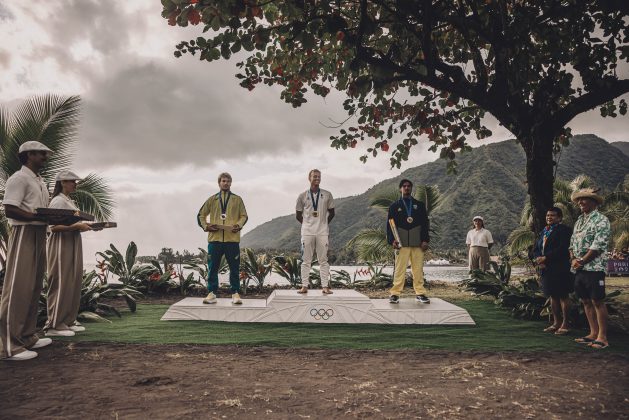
(428, 68)
(51, 120)
(371, 243)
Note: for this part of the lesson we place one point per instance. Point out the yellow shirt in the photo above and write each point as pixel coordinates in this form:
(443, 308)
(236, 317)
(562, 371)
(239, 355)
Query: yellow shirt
(235, 214)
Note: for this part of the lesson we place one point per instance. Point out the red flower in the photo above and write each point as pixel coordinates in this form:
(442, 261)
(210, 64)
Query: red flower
(384, 146)
(194, 17)
(154, 277)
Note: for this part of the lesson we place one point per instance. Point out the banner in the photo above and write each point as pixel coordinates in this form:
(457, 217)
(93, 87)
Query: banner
(618, 267)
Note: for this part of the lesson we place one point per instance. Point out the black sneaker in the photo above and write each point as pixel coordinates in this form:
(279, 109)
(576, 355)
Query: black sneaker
(422, 299)
(394, 299)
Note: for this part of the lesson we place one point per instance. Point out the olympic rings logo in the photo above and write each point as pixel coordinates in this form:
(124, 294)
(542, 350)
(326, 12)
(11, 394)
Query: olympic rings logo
(321, 314)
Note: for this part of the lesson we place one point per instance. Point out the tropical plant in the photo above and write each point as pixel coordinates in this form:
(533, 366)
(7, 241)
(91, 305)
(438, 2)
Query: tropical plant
(413, 68)
(160, 280)
(288, 267)
(129, 273)
(371, 244)
(93, 291)
(255, 267)
(488, 283)
(53, 121)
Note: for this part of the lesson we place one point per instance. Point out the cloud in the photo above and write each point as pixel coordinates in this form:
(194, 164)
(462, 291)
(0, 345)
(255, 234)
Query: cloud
(163, 113)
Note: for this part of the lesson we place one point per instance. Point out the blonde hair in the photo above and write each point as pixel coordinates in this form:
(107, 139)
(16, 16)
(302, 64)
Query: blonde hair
(224, 175)
(311, 172)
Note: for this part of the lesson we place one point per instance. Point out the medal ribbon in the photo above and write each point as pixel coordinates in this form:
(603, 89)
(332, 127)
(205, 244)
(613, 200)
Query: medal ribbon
(547, 231)
(224, 205)
(409, 208)
(315, 204)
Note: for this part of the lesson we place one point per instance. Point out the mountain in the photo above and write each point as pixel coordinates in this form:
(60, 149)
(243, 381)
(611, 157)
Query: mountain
(490, 181)
(622, 145)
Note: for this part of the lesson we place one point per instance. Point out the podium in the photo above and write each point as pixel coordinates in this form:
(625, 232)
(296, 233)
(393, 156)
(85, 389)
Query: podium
(342, 307)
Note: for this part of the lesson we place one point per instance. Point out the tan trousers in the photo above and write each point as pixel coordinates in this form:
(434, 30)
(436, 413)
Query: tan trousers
(65, 276)
(26, 263)
(479, 257)
(309, 245)
(416, 255)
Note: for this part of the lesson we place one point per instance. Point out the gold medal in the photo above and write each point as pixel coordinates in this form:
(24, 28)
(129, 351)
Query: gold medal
(409, 219)
(315, 214)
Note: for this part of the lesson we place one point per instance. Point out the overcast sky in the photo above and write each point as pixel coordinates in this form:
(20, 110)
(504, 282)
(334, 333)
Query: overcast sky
(161, 129)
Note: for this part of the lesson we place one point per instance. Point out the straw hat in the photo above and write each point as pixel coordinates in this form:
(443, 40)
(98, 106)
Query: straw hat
(587, 193)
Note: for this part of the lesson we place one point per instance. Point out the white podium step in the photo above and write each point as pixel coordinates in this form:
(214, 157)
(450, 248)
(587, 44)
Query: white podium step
(341, 307)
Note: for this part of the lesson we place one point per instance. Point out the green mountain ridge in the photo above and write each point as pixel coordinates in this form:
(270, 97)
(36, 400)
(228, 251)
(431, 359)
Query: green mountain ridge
(490, 181)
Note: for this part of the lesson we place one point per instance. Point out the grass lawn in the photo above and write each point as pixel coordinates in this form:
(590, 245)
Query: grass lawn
(495, 331)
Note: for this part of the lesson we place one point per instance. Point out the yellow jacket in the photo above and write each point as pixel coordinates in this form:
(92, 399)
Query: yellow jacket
(236, 214)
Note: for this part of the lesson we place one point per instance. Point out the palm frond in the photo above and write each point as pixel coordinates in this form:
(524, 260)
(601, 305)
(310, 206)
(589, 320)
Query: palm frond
(562, 190)
(94, 196)
(49, 119)
(526, 217)
(520, 240)
(581, 181)
(371, 245)
(430, 195)
(384, 199)
(616, 198)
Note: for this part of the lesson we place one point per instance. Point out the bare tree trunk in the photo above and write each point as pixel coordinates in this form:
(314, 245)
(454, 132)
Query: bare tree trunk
(539, 177)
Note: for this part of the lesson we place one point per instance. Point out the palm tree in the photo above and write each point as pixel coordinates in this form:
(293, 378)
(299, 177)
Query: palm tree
(615, 207)
(52, 120)
(371, 243)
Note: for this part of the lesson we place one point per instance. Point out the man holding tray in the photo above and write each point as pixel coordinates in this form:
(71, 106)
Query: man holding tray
(315, 210)
(24, 191)
(407, 232)
(223, 215)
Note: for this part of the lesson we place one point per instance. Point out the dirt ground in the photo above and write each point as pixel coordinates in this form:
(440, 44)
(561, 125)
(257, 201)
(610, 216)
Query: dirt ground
(92, 380)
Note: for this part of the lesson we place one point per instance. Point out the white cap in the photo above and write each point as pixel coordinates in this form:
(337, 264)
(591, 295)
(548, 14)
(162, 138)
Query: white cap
(478, 218)
(67, 176)
(33, 146)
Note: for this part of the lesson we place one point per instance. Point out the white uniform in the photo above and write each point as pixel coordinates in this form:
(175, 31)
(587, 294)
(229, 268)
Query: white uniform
(25, 264)
(65, 272)
(314, 232)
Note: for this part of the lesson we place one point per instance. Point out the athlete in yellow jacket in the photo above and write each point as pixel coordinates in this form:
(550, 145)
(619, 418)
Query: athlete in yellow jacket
(223, 215)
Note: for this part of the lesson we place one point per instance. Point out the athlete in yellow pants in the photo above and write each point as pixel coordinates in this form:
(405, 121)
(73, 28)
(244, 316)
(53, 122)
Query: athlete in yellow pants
(408, 232)
(416, 255)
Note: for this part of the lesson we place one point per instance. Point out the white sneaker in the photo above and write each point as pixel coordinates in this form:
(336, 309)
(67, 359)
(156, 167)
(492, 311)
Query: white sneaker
(59, 333)
(25, 355)
(77, 328)
(210, 298)
(236, 299)
(42, 342)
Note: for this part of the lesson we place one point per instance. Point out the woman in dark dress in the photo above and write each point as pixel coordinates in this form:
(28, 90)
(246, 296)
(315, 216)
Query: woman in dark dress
(553, 259)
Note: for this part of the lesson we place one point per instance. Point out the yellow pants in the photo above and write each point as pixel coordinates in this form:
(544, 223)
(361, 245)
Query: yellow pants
(416, 256)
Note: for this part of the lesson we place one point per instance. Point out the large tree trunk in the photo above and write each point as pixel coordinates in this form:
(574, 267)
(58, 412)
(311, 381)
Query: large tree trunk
(539, 177)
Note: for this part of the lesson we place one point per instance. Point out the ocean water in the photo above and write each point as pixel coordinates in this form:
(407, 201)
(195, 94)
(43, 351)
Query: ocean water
(446, 273)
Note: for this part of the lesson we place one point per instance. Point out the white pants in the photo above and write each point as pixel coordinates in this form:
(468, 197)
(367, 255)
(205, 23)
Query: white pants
(310, 244)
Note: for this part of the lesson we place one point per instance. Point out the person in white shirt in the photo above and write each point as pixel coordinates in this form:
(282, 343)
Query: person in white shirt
(479, 241)
(65, 262)
(24, 192)
(315, 210)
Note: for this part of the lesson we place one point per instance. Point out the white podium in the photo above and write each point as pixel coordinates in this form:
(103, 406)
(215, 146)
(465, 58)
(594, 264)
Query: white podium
(342, 307)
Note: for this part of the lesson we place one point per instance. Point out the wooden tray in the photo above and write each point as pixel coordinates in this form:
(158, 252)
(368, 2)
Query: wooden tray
(103, 225)
(62, 216)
